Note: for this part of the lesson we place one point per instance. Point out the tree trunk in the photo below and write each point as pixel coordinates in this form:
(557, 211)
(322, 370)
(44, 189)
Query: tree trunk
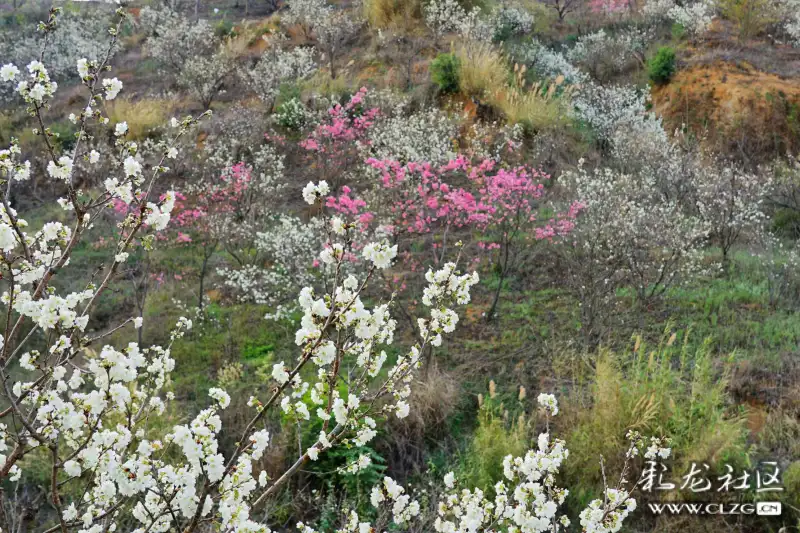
(503, 271)
(331, 63)
(207, 252)
(490, 314)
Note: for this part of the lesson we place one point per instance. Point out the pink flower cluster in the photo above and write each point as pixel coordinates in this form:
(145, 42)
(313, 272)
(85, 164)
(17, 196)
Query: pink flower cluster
(562, 224)
(196, 215)
(350, 206)
(346, 125)
(425, 197)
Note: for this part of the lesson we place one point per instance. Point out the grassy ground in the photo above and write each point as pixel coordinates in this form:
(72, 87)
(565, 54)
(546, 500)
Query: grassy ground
(712, 365)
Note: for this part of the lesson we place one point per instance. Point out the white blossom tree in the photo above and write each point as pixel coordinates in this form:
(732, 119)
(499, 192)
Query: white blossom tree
(628, 235)
(731, 202)
(330, 27)
(277, 66)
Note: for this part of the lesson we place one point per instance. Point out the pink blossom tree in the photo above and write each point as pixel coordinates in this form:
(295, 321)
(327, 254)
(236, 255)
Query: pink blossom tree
(335, 145)
(494, 206)
(209, 215)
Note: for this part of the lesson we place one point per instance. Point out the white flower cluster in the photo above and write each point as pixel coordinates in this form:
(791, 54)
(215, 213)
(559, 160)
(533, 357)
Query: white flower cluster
(329, 26)
(308, 12)
(10, 167)
(38, 88)
(731, 201)
(791, 18)
(548, 403)
(657, 10)
(607, 515)
(112, 86)
(403, 507)
(424, 136)
(204, 76)
(654, 448)
(175, 39)
(447, 16)
(694, 16)
(652, 246)
(80, 33)
(547, 63)
(510, 21)
(441, 283)
(614, 111)
(314, 192)
(602, 54)
(293, 115)
(290, 247)
(380, 254)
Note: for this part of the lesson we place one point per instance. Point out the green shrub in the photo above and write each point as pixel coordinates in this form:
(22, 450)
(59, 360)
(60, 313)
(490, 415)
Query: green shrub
(503, 429)
(786, 222)
(662, 65)
(675, 389)
(678, 31)
(64, 133)
(224, 28)
(445, 72)
(791, 482)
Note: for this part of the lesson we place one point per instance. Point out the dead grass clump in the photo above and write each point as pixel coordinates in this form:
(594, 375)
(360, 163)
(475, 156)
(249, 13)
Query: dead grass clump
(434, 398)
(321, 82)
(539, 107)
(143, 116)
(385, 13)
(669, 390)
(483, 69)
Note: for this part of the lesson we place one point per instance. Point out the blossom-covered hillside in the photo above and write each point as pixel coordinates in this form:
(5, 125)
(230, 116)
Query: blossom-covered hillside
(400, 265)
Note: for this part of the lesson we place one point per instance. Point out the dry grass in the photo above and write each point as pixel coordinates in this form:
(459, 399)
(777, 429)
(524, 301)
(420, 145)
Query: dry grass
(668, 390)
(322, 83)
(385, 13)
(435, 398)
(250, 37)
(484, 74)
(538, 107)
(143, 116)
(483, 71)
(6, 127)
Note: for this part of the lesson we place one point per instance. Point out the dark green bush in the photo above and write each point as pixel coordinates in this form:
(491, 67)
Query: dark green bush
(224, 28)
(678, 31)
(64, 133)
(445, 72)
(662, 65)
